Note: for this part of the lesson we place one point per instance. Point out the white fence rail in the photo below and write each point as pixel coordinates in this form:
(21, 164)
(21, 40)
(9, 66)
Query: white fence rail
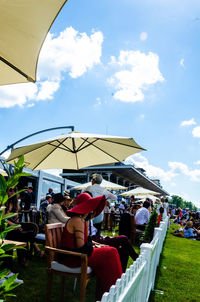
(136, 284)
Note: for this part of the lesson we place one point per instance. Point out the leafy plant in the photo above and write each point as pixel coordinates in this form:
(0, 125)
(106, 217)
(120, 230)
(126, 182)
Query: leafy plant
(149, 229)
(13, 179)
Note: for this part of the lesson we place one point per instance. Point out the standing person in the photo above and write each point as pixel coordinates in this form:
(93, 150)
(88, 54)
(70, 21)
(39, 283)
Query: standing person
(132, 200)
(142, 216)
(165, 205)
(50, 192)
(96, 190)
(104, 260)
(27, 198)
(122, 207)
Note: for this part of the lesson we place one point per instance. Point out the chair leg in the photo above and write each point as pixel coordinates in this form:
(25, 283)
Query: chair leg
(83, 284)
(62, 288)
(75, 283)
(49, 285)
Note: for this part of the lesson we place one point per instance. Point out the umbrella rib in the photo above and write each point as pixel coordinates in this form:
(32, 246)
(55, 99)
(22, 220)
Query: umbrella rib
(17, 70)
(74, 151)
(85, 141)
(113, 142)
(122, 144)
(107, 153)
(61, 144)
(56, 147)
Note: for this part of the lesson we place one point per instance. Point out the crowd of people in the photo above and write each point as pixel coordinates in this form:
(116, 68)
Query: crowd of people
(83, 220)
(188, 221)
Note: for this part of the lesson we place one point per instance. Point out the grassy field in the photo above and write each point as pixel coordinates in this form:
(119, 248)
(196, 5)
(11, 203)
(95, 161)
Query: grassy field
(178, 274)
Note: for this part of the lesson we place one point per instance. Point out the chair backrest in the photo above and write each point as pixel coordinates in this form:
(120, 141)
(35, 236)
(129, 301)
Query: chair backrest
(125, 225)
(53, 233)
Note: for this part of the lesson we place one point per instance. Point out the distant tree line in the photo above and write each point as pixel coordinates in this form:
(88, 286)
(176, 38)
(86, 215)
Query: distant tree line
(180, 202)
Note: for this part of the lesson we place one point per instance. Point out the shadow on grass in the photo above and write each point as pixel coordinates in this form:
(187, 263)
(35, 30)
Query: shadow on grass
(34, 288)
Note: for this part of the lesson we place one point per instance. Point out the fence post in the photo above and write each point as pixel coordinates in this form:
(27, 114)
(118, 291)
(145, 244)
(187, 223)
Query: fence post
(158, 232)
(145, 250)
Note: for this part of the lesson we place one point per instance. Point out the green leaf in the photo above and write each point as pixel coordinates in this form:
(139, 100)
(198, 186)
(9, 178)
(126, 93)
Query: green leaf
(4, 273)
(10, 215)
(3, 183)
(10, 295)
(8, 247)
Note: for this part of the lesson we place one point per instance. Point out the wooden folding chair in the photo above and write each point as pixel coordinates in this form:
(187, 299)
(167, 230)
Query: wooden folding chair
(53, 233)
(134, 230)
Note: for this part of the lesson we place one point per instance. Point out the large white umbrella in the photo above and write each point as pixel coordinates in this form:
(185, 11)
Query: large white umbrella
(105, 184)
(24, 25)
(76, 150)
(139, 192)
(152, 197)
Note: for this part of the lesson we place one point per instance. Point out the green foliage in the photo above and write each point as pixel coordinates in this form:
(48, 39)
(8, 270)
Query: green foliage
(180, 202)
(149, 230)
(13, 180)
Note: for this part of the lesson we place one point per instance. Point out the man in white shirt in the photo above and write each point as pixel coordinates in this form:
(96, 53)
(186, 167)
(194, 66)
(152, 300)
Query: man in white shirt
(142, 216)
(96, 190)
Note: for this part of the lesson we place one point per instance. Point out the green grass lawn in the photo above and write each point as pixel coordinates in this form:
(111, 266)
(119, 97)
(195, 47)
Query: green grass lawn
(177, 278)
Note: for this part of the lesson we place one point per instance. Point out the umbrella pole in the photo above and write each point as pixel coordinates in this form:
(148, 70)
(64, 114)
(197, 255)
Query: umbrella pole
(45, 130)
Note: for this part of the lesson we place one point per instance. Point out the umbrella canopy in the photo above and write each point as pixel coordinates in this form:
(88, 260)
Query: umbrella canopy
(3, 173)
(152, 197)
(105, 184)
(76, 150)
(139, 192)
(24, 25)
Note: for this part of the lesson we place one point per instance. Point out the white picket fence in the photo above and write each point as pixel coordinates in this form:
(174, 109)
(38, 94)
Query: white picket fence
(136, 284)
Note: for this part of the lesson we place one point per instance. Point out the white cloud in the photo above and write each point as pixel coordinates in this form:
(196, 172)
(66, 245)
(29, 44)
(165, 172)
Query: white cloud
(151, 171)
(18, 94)
(196, 131)
(71, 52)
(137, 72)
(47, 89)
(181, 168)
(98, 103)
(182, 62)
(143, 36)
(188, 122)
(175, 169)
(197, 162)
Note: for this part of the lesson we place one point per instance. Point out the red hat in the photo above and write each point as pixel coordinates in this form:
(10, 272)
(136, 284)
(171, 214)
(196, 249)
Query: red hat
(86, 204)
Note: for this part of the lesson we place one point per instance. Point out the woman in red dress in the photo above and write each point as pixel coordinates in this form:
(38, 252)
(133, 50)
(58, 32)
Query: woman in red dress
(104, 260)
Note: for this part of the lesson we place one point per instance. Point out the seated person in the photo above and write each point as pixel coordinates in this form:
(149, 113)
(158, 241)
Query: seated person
(190, 232)
(67, 205)
(55, 211)
(104, 260)
(121, 243)
(142, 216)
(24, 233)
(44, 204)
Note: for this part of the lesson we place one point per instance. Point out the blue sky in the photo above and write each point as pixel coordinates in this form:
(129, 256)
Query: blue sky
(127, 68)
